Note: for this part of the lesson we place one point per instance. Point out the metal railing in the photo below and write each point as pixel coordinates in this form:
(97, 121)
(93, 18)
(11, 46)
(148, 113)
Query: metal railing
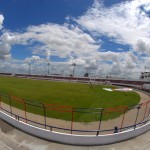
(140, 116)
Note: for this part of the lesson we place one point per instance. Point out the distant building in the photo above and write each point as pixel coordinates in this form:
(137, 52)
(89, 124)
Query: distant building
(145, 75)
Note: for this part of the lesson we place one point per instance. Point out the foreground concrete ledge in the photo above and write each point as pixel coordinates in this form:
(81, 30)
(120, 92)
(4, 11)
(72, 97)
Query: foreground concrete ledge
(75, 139)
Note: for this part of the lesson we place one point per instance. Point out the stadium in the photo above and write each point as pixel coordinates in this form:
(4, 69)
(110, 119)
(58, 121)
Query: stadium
(72, 119)
(75, 74)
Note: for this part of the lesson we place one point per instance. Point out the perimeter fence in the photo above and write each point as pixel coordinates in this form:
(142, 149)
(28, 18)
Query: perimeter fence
(81, 120)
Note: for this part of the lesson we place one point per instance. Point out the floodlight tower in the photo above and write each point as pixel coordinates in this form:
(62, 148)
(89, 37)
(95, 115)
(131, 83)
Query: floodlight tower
(74, 65)
(48, 64)
(29, 68)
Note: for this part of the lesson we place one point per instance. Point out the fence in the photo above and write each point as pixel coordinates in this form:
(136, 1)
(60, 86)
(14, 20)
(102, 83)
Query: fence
(128, 117)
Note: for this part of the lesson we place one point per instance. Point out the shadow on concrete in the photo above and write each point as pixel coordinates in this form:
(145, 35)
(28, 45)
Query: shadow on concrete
(5, 127)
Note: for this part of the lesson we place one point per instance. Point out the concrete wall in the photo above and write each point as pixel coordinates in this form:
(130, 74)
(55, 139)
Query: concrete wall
(75, 139)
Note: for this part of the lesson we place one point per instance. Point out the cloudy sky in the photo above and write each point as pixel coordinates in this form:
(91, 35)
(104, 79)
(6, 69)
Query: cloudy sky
(103, 37)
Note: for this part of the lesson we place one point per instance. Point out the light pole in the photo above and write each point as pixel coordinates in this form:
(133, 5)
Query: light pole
(29, 68)
(74, 64)
(62, 72)
(48, 67)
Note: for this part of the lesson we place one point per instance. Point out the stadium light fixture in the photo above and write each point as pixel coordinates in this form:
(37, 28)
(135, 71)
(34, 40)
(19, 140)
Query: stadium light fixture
(74, 65)
(29, 68)
(48, 64)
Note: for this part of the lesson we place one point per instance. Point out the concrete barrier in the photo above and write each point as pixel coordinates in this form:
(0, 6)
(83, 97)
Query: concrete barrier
(75, 139)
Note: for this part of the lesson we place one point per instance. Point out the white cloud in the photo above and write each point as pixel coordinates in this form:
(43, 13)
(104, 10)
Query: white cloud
(51, 40)
(147, 7)
(62, 41)
(142, 47)
(78, 61)
(5, 46)
(1, 21)
(116, 69)
(123, 64)
(126, 22)
(32, 59)
(109, 56)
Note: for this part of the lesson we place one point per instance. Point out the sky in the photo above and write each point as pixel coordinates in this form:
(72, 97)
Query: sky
(102, 37)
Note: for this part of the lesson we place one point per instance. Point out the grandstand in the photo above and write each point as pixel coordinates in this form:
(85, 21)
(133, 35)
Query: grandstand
(123, 82)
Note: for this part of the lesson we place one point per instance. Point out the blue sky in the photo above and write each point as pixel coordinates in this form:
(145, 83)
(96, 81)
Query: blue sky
(103, 36)
(35, 12)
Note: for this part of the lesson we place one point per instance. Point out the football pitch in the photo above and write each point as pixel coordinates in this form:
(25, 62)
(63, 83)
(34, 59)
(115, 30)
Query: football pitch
(76, 95)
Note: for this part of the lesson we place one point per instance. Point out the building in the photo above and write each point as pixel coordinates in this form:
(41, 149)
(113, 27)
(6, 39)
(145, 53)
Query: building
(145, 75)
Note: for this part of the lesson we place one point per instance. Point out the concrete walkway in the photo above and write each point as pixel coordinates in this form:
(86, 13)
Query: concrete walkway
(13, 139)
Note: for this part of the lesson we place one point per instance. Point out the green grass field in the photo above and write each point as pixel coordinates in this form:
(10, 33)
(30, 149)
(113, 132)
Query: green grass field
(69, 94)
